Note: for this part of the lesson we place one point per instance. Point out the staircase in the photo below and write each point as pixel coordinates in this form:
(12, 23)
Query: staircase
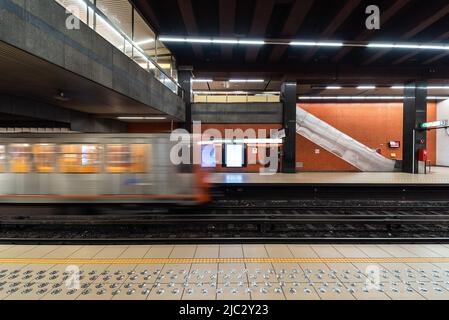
(340, 144)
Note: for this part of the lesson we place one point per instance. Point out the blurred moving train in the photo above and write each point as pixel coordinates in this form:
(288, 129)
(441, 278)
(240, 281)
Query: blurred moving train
(95, 168)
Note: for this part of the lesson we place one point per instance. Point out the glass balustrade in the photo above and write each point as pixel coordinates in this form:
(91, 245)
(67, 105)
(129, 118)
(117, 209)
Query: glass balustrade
(121, 25)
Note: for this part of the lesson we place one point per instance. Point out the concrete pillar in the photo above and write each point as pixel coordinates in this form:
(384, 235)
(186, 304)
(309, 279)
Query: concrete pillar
(185, 81)
(414, 113)
(288, 99)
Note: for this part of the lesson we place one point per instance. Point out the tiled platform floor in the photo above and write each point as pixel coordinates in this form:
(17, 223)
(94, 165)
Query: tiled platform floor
(224, 272)
(438, 175)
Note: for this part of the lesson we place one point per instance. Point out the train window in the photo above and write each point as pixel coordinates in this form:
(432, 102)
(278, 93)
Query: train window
(124, 158)
(44, 157)
(20, 157)
(2, 158)
(118, 158)
(140, 157)
(79, 158)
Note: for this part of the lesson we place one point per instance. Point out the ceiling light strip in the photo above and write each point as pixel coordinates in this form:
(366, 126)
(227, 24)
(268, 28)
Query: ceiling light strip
(211, 40)
(365, 97)
(305, 43)
(141, 118)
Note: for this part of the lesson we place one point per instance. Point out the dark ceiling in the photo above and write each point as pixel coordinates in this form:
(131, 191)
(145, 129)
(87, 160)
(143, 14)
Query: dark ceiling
(401, 20)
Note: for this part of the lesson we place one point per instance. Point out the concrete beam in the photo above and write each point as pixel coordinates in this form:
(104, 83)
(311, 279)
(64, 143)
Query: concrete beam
(39, 28)
(237, 112)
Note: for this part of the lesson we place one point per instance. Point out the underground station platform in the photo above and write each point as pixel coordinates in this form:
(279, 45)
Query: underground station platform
(224, 272)
(224, 158)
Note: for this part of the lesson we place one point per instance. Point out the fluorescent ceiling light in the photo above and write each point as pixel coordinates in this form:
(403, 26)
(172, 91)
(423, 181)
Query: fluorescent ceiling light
(384, 45)
(366, 87)
(434, 47)
(438, 87)
(315, 43)
(245, 80)
(329, 44)
(225, 41)
(437, 98)
(141, 118)
(365, 98)
(210, 40)
(202, 80)
(303, 43)
(380, 45)
(407, 46)
(198, 40)
(252, 42)
(333, 87)
(139, 43)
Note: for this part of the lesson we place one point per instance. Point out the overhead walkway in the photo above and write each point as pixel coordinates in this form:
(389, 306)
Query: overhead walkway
(78, 69)
(340, 144)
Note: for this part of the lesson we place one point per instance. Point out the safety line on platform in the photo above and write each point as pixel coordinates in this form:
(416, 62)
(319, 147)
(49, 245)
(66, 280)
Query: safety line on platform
(222, 260)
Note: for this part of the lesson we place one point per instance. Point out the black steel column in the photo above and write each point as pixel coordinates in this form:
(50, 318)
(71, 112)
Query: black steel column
(184, 78)
(414, 113)
(288, 99)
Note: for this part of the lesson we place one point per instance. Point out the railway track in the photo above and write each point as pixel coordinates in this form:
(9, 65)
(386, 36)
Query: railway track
(231, 221)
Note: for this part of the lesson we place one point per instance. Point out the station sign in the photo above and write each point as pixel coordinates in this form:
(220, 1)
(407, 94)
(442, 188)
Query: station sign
(435, 124)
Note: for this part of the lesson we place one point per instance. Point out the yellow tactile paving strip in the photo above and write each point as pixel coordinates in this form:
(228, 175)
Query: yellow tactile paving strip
(223, 260)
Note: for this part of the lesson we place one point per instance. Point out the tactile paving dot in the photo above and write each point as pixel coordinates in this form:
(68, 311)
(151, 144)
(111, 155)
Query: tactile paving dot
(298, 291)
(166, 292)
(262, 292)
(206, 291)
(232, 292)
(429, 290)
(334, 291)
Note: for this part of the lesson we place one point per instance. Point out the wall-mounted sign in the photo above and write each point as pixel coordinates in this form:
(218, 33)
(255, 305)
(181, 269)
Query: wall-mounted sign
(394, 144)
(435, 124)
(234, 156)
